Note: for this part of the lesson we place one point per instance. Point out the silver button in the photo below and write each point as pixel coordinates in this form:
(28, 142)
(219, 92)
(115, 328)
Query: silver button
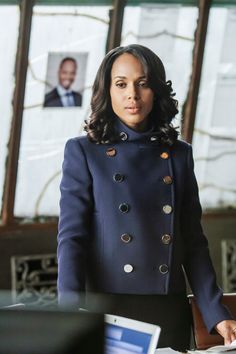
(153, 138)
(128, 268)
(118, 177)
(167, 209)
(126, 238)
(123, 136)
(166, 239)
(164, 268)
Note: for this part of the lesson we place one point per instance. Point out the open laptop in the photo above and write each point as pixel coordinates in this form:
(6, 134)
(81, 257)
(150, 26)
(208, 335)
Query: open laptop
(127, 336)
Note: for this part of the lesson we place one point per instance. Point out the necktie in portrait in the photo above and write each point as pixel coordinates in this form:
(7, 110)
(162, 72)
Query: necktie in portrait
(69, 99)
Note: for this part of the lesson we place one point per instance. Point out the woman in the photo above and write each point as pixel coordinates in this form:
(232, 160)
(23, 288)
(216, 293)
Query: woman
(130, 214)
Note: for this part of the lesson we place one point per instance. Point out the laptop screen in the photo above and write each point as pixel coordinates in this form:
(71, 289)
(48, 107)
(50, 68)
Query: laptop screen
(120, 340)
(125, 336)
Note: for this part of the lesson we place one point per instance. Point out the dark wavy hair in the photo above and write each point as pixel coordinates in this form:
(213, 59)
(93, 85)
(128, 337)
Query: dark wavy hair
(100, 125)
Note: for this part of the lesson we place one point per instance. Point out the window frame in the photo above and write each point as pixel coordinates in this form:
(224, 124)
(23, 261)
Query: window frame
(114, 37)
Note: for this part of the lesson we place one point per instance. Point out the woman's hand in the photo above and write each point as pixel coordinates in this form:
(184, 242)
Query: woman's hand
(227, 329)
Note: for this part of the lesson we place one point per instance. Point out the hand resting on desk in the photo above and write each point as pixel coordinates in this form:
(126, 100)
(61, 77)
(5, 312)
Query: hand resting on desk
(227, 329)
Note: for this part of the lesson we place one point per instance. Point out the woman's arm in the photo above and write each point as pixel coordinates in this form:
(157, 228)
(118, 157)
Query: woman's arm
(76, 205)
(198, 264)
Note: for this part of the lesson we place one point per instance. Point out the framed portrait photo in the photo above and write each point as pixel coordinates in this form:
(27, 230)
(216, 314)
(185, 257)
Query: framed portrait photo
(65, 79)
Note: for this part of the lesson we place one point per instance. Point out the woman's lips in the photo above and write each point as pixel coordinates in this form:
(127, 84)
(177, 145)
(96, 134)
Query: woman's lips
(133, 109)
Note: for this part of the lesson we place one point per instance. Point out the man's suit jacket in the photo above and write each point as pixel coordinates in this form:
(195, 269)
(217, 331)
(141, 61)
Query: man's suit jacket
(130, 222)
(52, 99)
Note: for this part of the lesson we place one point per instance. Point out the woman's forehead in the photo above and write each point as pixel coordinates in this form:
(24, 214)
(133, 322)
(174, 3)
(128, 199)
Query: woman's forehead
(127, 64)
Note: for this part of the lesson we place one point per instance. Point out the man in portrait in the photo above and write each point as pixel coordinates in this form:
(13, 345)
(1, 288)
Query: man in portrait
(62, 95)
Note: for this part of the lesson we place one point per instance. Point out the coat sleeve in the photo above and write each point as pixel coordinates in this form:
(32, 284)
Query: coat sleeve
(198, 265)
(76, 205)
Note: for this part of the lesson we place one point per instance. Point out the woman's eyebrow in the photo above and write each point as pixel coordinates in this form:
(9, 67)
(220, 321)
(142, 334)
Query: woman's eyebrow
(124, 77)
(119, 77)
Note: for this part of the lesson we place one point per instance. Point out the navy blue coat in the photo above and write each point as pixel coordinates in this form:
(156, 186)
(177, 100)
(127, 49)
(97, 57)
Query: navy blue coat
(130, 222)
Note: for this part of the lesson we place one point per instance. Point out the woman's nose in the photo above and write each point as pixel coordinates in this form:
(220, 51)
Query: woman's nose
(133, 93)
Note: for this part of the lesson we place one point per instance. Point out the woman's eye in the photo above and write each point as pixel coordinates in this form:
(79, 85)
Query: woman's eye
(120, 84)
(143, 84)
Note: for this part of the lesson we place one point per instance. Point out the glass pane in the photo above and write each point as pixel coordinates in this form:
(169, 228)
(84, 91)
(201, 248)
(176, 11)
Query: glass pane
(215, 128)
(77, 33)
(8, 47)
(169, 31)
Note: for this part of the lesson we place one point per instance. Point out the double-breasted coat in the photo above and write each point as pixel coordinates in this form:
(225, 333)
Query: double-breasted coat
(130, 222)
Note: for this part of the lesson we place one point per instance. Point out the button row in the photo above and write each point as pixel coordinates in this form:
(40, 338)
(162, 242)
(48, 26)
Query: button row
(125, 208)
(111, 152)
(118, 177)
(165, 239)
(124, 137)
(163, 268)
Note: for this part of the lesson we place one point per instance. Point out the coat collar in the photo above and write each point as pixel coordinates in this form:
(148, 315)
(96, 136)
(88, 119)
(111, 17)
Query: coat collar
(127, 134)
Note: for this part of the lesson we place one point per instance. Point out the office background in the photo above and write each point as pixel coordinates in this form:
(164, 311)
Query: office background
(195, 40)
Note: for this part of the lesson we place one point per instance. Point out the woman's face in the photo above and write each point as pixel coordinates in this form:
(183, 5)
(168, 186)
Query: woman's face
(131, 96)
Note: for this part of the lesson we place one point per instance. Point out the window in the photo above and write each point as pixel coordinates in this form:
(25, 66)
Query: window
(167, 29)
(57, 32)
(8, 48)
(215, 129)
(81, 31)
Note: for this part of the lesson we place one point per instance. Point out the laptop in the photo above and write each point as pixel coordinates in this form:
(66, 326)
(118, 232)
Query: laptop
(127, 336)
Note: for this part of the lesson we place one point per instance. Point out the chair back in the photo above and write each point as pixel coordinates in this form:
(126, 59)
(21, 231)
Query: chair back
(18, 306)
(202, 338)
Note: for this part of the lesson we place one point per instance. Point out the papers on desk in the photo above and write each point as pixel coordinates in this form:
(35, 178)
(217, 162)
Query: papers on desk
(217, 349)
(166, 351)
